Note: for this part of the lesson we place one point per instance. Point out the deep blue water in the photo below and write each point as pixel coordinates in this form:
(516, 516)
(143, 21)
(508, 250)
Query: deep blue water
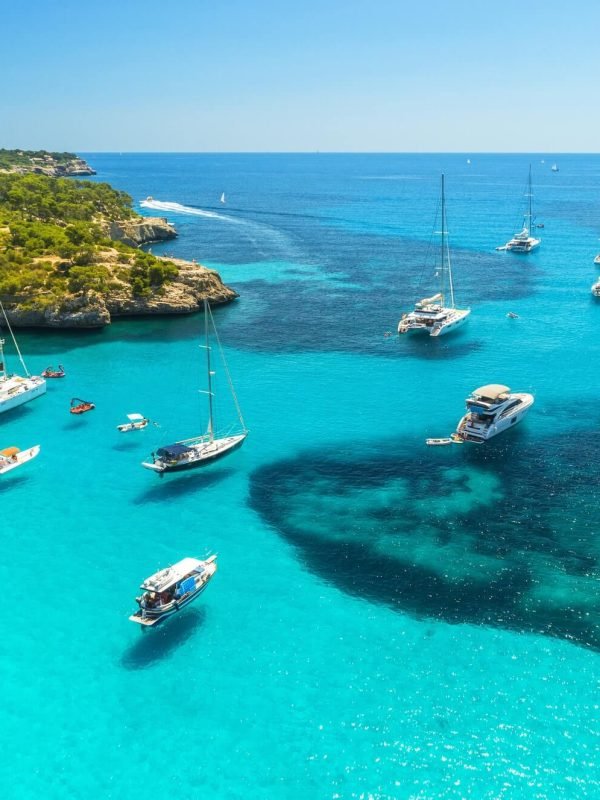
(388, 620)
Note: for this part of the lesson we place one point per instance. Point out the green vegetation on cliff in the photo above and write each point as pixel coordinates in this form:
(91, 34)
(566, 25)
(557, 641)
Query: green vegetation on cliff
(54, 242)
(24, 158)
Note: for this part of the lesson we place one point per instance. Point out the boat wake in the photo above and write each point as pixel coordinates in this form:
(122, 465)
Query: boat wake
(267, 240)
(179, 208)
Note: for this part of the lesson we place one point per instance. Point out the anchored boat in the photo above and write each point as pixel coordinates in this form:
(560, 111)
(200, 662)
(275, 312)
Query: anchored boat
(79, 406)
(433, 315)
(137, 422)
(524, 242)
(171, 589)
(12, 457)
(202, 450)
(50, 372)
(16, 389)
(492, 409)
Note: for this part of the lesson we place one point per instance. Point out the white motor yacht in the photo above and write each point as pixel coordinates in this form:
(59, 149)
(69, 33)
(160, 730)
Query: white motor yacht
(171, 589)
(491, 410)
(432, 314)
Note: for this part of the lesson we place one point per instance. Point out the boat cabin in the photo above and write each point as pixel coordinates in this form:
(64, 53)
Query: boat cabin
(170, 589)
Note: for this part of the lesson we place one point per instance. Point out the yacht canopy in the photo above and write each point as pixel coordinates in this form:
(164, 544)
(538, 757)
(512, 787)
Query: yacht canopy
(172, 451)
(492, 391)
(171, 575)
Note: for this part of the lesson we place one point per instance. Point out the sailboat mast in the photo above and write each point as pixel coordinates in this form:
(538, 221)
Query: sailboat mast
(445, 249)
(10, 330)
(211, 428)
(530, 198)
(3, 373)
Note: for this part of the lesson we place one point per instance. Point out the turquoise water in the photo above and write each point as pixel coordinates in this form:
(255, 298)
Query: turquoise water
(388, 620)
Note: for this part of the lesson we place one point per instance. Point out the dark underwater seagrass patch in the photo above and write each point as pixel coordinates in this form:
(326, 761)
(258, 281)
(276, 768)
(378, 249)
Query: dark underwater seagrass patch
(503, 535)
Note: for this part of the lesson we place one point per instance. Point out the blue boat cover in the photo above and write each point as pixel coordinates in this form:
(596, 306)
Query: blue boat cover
(188, 585)
(172, 451)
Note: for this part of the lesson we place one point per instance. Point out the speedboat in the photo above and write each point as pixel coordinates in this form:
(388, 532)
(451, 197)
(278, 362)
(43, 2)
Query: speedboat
(437, 315)
(596, 289)
(79, 406)
(491, 410)
(12, 457)
(137, 422)
(171, 589)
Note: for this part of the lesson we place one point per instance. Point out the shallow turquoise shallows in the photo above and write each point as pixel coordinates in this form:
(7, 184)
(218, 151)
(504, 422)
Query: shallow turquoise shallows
(388, 620)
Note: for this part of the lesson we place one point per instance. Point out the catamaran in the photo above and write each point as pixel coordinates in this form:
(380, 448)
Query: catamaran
(492, 409)
(524, 242)
(16, 389)
(171, 589)
(431, 314)
(201, 450)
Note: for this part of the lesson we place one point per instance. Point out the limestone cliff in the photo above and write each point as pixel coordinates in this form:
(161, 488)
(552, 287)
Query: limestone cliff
(141, 230)
(91, 309)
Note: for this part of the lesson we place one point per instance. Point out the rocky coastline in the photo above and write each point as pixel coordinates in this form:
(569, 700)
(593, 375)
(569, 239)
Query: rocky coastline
(48, 164)
(185, 294)
(141, 230)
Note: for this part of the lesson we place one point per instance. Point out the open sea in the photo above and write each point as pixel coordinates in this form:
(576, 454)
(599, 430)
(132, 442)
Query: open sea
(389, 621)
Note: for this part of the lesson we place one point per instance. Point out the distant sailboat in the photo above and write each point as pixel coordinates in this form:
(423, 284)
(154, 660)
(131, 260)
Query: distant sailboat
(554, 167)
(223, 197)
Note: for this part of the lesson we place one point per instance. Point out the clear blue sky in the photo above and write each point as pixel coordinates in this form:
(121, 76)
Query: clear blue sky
(262, 75)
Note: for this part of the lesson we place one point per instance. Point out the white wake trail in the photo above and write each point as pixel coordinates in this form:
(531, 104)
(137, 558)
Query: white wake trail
(179, 208)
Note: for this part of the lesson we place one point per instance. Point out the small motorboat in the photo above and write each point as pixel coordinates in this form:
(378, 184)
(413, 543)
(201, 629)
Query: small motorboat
(12, 457)
(171, 589)
(597, 259)
(79, 406)
(137, 422)
(50, 372)
(438, 442)
(512, 315)
(596, 289)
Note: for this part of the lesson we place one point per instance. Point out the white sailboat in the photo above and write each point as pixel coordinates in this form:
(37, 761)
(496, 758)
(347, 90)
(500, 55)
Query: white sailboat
(524, 242)
(16, 389)
(223, 197)
(431, 314)
(202, 450)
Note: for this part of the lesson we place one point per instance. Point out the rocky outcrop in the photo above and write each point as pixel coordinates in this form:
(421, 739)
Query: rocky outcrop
(141, 230)
(47, 165)
(183, 295)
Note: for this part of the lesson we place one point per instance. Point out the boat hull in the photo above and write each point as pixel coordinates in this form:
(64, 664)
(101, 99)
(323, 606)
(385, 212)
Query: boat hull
(206, 454)
(6, 465)
(457, 321)
(28, 390)
(150, 617)
(480, 435)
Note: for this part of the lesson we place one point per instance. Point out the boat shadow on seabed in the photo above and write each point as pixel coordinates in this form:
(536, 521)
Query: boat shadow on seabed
(181, 485)
(153, 646)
